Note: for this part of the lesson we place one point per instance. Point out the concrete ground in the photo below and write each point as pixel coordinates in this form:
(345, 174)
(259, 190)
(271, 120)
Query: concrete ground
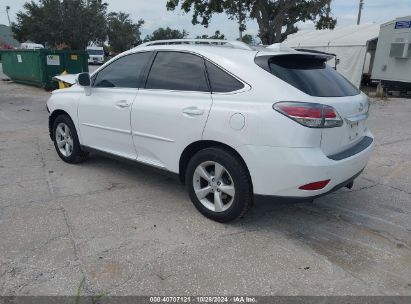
(130, 230)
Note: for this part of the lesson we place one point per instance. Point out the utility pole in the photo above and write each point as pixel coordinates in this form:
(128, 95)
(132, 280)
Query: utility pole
(360, 8)
(7, 12)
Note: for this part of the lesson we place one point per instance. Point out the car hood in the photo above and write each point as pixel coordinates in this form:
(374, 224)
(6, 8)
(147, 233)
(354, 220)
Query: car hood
(68, 78)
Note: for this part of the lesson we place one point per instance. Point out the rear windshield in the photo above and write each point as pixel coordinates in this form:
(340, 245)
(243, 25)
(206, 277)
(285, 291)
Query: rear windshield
(311, 75)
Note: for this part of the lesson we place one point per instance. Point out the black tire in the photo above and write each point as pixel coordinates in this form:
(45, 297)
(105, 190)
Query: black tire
(243, 197)
(77, 155)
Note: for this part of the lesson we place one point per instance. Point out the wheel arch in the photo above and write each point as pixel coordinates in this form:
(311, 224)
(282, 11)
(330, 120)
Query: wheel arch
(197, 146)
(52, 118)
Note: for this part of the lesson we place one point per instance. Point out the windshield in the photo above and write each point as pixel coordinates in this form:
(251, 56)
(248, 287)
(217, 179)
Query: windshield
(96, 52)
(311, 75)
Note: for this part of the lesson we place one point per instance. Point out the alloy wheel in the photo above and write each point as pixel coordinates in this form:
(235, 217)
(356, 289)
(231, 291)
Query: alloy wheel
(64, 139)
(214, 186)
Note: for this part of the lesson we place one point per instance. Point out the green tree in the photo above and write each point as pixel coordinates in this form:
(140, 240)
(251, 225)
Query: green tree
(247, 38)
(51, 22)
(326, 21)
(122, 33)
(40, 23)
(276, 18)
(84, 22)
(237, 10)
(166, 34)
(217, 35)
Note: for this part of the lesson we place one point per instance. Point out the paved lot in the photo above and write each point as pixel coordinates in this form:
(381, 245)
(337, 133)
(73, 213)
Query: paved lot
(130, 230)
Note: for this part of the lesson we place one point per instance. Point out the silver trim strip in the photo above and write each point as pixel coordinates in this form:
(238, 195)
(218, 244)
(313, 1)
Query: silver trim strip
(107, 128)
(152, 136)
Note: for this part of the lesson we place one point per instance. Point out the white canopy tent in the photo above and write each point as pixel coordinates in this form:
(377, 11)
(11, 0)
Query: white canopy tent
(349, 43)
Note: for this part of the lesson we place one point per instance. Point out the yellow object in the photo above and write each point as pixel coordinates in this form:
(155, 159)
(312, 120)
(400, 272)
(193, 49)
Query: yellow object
(74, 57)
(62, 84)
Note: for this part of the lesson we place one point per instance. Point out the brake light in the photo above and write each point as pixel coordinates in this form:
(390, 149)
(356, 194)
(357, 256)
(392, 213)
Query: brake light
(315, 186)
(312, 115)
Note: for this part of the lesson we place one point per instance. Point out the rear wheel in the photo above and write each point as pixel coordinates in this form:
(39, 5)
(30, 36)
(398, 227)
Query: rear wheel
(66, 140)
(219, 184)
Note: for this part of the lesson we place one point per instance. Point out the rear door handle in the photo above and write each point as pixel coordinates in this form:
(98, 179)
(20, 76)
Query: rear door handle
(122, 104)
(193, 111)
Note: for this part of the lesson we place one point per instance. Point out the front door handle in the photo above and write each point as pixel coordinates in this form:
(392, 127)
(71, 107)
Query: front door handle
(193, 111)
(122, 104)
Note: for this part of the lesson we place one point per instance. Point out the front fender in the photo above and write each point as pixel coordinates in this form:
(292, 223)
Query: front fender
(65, 102)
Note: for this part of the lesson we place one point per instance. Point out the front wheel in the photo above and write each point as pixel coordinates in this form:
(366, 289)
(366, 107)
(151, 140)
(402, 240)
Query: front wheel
(66, 140)
(219, 184)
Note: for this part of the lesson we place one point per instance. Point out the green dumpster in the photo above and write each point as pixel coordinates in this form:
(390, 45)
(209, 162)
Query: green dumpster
(38, 67)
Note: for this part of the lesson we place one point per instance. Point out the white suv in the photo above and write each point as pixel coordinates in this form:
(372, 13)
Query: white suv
(229, 120)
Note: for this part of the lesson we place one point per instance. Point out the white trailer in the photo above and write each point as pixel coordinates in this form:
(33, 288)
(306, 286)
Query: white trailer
(392, 64)
(353, 46)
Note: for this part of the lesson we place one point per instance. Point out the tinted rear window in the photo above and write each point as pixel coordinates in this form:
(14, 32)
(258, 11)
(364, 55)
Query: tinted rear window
(178, 71)
(220, 81)
(311, 75)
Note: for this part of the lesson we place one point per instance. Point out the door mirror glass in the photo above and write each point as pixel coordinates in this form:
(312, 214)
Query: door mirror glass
(83, 79)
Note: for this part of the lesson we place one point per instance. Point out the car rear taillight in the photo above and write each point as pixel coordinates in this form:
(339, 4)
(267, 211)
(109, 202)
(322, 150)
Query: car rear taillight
(312, 115)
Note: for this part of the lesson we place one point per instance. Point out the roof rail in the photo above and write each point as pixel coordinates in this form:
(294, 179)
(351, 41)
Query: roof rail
(211, 42)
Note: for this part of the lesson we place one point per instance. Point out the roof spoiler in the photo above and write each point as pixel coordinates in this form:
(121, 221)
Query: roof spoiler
(328, 55)
(279, 47)
(284, 50)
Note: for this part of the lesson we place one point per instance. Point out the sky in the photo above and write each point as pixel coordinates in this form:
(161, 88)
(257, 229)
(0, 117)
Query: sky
(156, 15)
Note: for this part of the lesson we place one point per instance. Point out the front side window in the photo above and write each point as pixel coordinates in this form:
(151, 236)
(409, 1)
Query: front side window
(178, 72)
(125, 72)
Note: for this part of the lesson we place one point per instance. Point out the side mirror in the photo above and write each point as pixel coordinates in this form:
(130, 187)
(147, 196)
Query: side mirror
(83, 79)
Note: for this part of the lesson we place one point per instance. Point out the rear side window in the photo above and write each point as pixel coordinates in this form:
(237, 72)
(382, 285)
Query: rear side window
(220, 81)
(177, 71)
(311, 75)
(125, 72)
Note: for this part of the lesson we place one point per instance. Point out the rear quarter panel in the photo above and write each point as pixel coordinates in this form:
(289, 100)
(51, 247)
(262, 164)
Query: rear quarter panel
(263, 125)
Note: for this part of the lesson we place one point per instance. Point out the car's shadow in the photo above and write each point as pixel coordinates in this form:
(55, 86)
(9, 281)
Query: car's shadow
(265, 209)
(325, 226)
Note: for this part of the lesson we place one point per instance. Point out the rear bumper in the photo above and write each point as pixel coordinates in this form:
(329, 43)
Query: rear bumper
(277, 171)
(294, 199)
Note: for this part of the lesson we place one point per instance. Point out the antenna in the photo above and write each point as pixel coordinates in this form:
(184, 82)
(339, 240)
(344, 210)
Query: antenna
(360, 8)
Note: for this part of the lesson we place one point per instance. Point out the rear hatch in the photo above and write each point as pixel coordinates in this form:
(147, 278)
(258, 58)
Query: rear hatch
(309, 73)
(354, 112)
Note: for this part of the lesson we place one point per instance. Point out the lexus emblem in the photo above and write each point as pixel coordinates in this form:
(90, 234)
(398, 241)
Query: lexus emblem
(361, 107)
